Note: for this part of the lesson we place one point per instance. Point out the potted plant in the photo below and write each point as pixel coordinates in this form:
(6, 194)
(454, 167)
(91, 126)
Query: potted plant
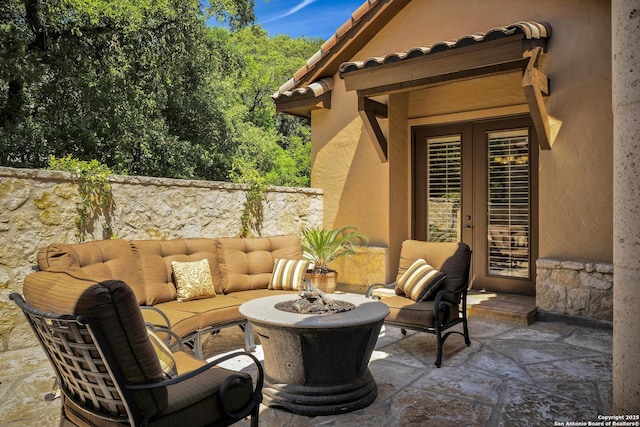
(321, 246)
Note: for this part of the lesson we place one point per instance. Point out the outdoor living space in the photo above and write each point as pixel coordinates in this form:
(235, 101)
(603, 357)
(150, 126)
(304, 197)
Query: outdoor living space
(512, 374)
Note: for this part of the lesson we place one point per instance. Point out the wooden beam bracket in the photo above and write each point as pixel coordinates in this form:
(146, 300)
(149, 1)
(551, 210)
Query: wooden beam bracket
(370, 111)
(535, 84)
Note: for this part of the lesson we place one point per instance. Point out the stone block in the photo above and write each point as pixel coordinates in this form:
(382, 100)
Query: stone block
(568, 278)
(577, 301)
(605, 268)
(551, 297)
(592, 281)
(572, 265)
(601, 305)
(547, 263)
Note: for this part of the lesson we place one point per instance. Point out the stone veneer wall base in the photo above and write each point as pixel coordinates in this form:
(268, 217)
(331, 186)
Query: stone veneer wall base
(575, 288)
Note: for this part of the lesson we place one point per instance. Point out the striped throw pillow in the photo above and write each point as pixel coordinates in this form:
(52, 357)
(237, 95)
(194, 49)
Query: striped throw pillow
(288, 274)
(167, 362)
(420, 280)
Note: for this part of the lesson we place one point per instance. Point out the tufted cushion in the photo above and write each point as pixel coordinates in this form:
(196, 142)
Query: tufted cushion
(288, 274)
(156, 257)
(247, 264)
(420, 280)
(101, 260)
(193, 280)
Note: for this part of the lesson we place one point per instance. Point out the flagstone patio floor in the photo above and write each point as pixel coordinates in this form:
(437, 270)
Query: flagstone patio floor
(511, 375)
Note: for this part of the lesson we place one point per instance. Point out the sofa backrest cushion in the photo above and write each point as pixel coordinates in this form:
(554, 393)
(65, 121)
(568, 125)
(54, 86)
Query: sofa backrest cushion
(155, 260)
(451, 258)
(247, 264)
(113, 307)
(101, 260)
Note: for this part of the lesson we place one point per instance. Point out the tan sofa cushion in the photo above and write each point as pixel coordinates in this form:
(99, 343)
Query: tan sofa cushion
(219, 310)
(247, 264)
(156, 257)
(100, 260)
(182, 322)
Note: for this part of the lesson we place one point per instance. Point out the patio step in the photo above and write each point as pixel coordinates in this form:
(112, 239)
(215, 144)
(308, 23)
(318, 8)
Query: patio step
(511, 308)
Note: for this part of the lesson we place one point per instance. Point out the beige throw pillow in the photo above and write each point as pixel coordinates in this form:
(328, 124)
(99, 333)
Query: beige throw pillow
(420, 280)
(288, 274)
(193, 280)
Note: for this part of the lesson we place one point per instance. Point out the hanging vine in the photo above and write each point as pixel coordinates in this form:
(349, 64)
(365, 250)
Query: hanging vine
(94, 193)
(252, 213)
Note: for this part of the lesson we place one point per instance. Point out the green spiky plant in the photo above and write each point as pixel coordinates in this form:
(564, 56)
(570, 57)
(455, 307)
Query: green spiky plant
(322, 246)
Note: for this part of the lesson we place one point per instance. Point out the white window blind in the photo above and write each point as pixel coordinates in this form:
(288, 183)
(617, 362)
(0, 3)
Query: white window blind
(508, 207)
(443, 188)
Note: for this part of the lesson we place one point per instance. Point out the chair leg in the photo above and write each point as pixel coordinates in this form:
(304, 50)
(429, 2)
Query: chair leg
(465, 327)
(255, 415)
(438, 347)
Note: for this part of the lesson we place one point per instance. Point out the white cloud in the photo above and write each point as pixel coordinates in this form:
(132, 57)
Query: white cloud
(296, 8)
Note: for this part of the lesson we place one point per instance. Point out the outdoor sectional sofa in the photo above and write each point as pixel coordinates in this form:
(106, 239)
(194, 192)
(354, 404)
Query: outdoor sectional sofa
(241, 269)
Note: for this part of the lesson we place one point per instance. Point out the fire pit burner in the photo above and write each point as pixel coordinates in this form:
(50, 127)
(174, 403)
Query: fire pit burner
(314, 301)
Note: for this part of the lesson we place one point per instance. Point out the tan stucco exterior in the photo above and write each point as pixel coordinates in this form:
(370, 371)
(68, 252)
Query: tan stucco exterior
(575, 176)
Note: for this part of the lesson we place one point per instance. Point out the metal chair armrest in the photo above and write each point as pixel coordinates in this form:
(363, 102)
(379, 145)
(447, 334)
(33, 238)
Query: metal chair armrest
(170, 334)
(160, 312)
(375, 286)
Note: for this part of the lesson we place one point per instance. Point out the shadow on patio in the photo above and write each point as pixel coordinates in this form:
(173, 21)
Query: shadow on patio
(511, 375)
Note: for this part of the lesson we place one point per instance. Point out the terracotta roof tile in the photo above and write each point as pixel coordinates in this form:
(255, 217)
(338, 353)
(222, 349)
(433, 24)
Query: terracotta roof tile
(316, 88)
(326, 48)
(530, 30)
(330, 43)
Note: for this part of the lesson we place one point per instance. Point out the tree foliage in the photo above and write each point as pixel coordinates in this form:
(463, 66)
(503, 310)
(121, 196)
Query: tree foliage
(148, 88)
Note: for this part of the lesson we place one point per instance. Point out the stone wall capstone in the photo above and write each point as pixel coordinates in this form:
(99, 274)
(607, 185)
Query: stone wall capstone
(38, 207)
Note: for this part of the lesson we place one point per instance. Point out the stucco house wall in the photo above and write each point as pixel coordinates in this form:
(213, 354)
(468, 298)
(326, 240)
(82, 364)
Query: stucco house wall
(575, 176)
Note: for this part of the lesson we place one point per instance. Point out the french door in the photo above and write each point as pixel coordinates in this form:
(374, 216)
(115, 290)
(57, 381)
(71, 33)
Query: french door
(477, 183)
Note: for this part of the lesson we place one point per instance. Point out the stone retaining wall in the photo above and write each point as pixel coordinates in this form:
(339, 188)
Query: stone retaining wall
(576, 288)
(39, 207)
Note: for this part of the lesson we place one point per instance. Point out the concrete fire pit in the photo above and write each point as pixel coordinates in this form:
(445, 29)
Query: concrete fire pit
(317, 364)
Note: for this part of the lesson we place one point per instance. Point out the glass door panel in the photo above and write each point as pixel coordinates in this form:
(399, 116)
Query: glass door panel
(444, 188)
(508, 203)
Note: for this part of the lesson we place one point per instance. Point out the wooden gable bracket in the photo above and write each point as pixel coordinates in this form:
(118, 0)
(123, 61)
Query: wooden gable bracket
(535, 84)
(369, 111)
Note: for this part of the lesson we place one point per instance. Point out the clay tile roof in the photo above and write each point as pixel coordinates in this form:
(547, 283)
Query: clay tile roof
(326, 48)
(316, 88)
(530, 30)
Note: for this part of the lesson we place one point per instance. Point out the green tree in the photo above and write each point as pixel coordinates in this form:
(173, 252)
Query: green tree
(147, 88)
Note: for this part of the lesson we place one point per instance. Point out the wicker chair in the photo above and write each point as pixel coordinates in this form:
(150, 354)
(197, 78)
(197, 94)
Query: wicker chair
(448, 305)
(109, 373)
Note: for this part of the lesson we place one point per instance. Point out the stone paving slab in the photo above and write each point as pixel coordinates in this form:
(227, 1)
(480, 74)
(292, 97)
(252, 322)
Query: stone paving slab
(511, 375)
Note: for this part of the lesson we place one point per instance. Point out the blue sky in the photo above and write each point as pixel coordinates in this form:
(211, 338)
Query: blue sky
(310, 18)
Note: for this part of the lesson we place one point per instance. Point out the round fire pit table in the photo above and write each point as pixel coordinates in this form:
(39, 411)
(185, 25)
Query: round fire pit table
(317, 364)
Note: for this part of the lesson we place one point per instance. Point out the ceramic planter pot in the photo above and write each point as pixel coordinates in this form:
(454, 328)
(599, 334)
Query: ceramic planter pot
(326, 282)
